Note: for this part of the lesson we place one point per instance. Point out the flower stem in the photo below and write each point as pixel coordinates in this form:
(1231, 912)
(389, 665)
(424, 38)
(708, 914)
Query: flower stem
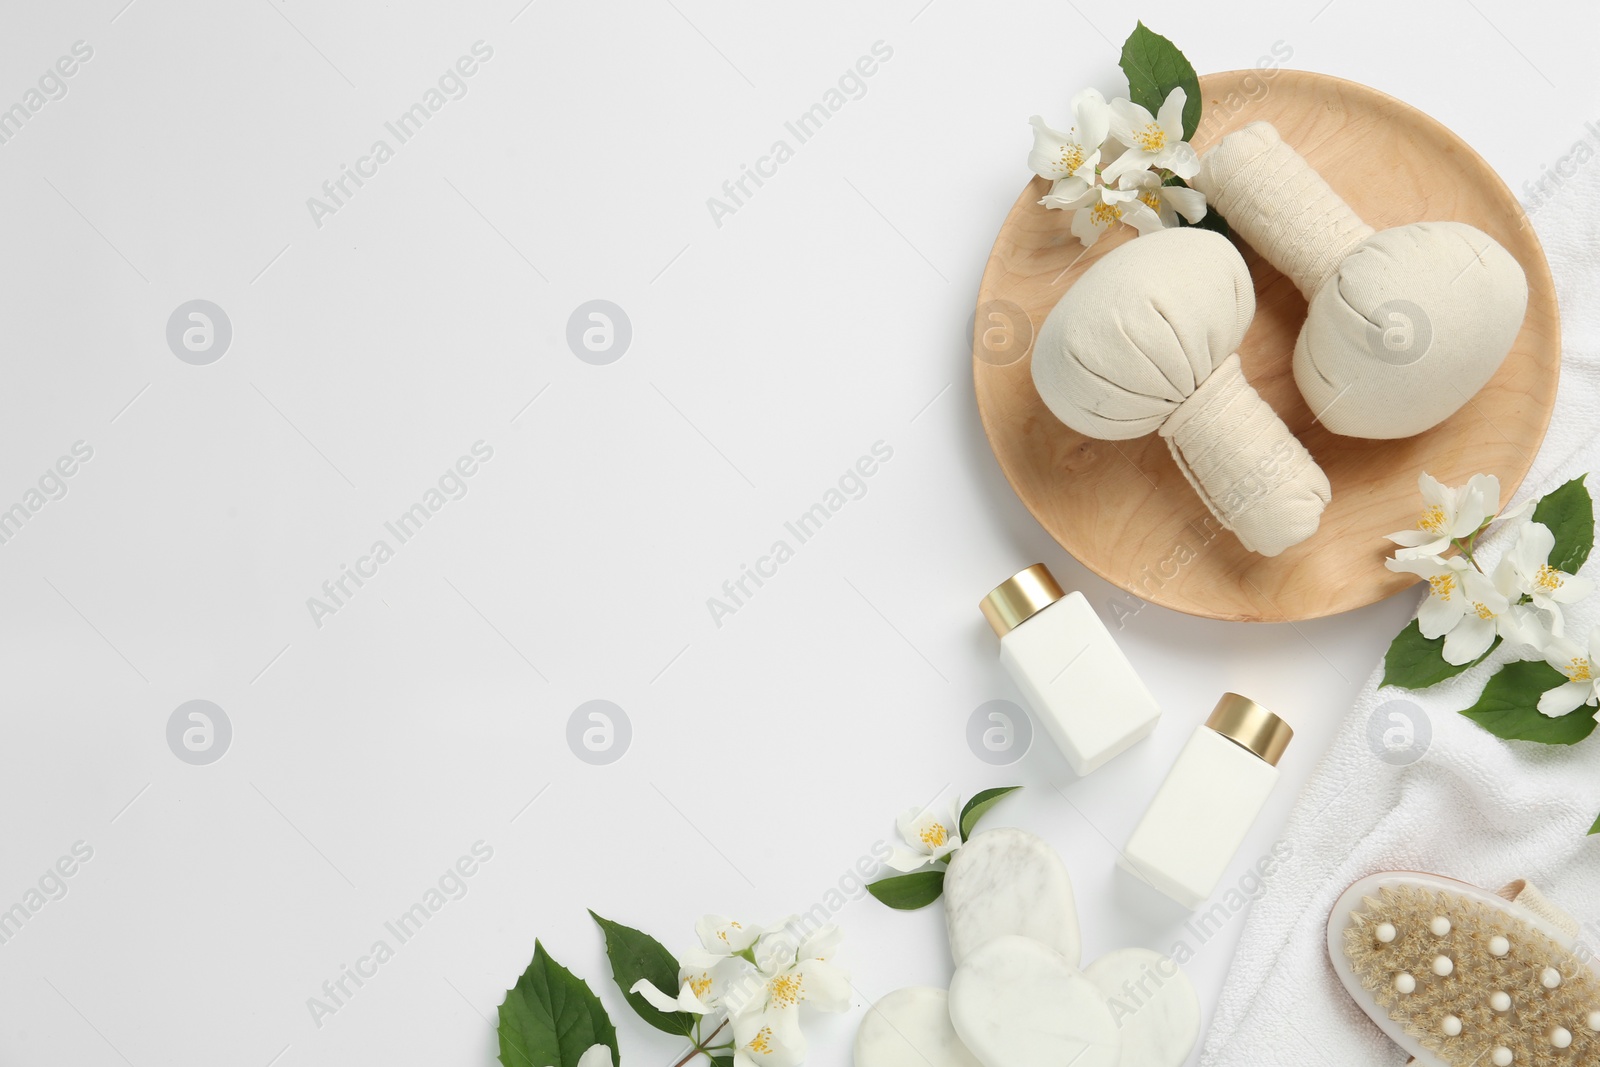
(700, 1044)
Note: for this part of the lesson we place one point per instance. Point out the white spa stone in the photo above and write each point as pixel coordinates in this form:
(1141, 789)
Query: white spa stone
(1386, 933)
(911, 1028)
(1017, 1003)
(1451, 1026)
(1440, 926)
(1153, 1003)
(1561, 1037)
(1550, 978)
(1443, 966)
(1499, 946)
(1404, 984)
(1007, 881)
(1500, 1001)
(1501, 1056)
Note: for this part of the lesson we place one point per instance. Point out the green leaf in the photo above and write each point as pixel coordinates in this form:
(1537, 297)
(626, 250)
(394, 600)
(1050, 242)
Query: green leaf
(635, 955)
(1509, 708)
(1569, 512)
(1155, 67)
(908, 892)
(1595, 829)
(551, 1017)
(979, 806)
(1416, 662)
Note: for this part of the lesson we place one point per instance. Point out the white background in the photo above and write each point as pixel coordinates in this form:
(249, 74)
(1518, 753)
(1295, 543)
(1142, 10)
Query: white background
(368, 353)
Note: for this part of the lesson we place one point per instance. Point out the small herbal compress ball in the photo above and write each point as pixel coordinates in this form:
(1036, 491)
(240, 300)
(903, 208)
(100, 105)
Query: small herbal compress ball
(1146, 341)
(1402, 326)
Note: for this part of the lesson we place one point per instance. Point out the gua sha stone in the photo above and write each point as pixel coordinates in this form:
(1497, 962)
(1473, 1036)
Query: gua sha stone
(1147, 340)
(1403, 326)
(911, 1028)
(1153, 1003)
(1017, 1003)
(1007, 881)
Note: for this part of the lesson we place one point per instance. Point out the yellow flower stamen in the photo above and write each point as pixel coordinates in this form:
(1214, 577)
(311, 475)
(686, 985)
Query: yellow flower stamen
(1432, 520)
(934, 835)
(699, 986)
(1442, 585)
(1483, 610)
(762, 1042)
(1072, 157)
(787, 990)
(1153, 199)
(1578, 670)
(1547, 578)
(1152, 138)
(1105, 214)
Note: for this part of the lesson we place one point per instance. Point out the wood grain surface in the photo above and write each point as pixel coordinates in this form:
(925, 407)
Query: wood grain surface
(1122, 507)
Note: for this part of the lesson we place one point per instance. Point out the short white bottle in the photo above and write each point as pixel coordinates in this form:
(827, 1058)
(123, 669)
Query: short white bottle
(1076, 680)
(1210, 799)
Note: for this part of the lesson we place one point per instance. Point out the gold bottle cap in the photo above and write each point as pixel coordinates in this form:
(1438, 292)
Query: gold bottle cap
(1019, 598)
(1251, 727)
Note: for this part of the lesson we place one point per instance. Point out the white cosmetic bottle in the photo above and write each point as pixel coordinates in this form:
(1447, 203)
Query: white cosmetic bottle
(1210, 799)
(1076, 680)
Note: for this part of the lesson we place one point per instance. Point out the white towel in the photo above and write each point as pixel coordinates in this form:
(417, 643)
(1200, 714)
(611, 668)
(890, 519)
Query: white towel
(1473, 807)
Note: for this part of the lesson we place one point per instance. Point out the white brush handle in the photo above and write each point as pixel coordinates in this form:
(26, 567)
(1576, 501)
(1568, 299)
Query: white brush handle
(1245, 464)
(1281, 206)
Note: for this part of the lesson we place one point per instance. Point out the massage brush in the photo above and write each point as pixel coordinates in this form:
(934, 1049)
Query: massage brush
(1146, 341)
(1461, 977)
(1403, 325)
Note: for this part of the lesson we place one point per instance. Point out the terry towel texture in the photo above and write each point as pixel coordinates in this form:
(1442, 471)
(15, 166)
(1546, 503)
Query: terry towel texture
(1473, 807)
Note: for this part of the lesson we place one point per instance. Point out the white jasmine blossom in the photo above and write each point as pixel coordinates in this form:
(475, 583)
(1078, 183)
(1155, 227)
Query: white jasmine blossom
(1167, 201)
(1073, 156)
(1577, 664)
(1449, 513)
(931, 834)
(1526, 569)
(1463, 605)
(1105, 207)
(708, 974)
(1153, 141)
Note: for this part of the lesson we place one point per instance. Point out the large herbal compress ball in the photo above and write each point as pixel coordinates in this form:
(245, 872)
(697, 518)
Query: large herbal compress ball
(1403, 326)
(1146, 341)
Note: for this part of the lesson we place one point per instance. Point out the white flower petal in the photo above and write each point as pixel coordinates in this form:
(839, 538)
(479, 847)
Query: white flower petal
(1068, 193)
(1125, 117)
(1050, 146)
(904, 860)
(596, 1056)
(653, 996)
(1134, 159)
(1093, 116)
(1137, 213)
(1563, 699)
(1470, 639)
(1439, 616)
(1534, 543)
(1572, 589)
(1085, 228)
(1190, 203)
(1180, 158)
(1170, 117)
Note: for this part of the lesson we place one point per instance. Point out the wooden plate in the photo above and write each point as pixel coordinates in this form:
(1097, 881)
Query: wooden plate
(1123, 508)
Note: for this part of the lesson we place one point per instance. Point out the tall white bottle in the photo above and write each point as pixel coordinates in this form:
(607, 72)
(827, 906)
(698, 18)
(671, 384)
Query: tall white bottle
(1076, 680)
(1210, 799)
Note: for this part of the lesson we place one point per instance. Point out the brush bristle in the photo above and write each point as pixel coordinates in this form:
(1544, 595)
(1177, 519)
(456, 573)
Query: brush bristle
(1457, 975)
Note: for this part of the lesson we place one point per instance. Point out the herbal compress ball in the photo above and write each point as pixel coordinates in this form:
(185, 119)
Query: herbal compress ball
(1146, 340)
(1403, 326)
